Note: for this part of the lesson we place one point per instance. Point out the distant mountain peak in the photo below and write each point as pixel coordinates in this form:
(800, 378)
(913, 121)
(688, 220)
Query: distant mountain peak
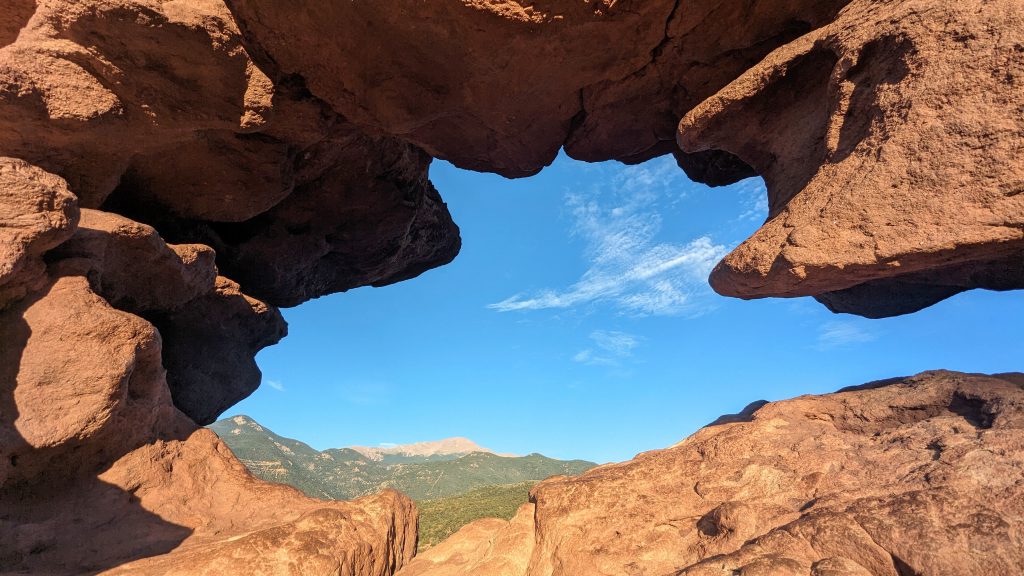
(422, 470)
(446, 447)
(242, 420)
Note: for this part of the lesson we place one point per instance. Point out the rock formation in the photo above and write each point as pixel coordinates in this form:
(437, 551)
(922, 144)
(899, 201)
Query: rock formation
(893, 174)
(172, 171)
(915, 476)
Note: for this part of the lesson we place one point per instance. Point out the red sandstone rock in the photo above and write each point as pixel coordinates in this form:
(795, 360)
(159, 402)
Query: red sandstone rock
(484, 547)
(210, 346)
(292, 143)
(267, 130)
(914, 476)
(889, 141)
(154, 110)
(130, 266)
(501, 86)
(37, 213)
(253, 527)
(187, 506)
(80, 382)
(210, 330)
(109, 472)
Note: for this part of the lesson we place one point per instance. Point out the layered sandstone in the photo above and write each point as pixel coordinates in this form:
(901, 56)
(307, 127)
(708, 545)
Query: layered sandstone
(919, 475)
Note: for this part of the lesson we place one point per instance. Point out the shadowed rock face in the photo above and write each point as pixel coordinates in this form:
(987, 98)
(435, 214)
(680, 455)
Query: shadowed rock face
(501, 86)
(172, 171)
(913, 476)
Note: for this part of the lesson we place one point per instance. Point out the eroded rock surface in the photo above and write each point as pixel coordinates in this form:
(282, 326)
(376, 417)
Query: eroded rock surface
(37, 213)
(485, 547)
(914, 476)
(501, 86)
(99, 469)
(889, 141)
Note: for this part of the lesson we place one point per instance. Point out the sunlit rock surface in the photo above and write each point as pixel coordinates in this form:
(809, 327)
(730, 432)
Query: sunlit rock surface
(890, 142)
(913, 476)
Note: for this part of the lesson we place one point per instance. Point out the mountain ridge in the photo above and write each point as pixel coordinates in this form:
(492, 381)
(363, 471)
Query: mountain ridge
(428, 470)
(439, 449)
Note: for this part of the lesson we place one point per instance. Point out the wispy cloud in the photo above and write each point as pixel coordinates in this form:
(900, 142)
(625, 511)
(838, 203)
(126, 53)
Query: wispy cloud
(756, 200)
(276, 385)
(839, 334)
(609, 348)
(616, 343)
(627, 266)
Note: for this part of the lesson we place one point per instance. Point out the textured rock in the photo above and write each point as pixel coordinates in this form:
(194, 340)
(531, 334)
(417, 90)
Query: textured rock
(485, 547)
(204, 147)
(37, 213)
(364, 214)
(130, 266)
(606, 79)
(191, 508)
(892, 170)
(87, 85)
(230, 157)
(114, 452)
(210, 347)
(908, 476)
(92, 449)
(253, 527)
(210, 330)
(68, 334)
(308, 175)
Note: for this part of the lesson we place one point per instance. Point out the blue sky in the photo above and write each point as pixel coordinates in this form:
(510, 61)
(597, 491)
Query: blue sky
(577, 322)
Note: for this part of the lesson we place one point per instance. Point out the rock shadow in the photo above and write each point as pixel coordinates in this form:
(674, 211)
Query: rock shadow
(16, 14)
(67, 522)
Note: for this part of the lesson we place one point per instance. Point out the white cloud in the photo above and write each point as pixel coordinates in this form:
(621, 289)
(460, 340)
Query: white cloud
(611, 348)
(838, 334)
(583, 356)
(616, 343)
(756, 200)
(275, 385)
(628, 267)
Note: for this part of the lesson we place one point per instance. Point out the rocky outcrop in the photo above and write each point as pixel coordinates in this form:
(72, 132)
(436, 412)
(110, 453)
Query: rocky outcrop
(90, 437)
(484, 547)
(891, 171)
(913, 476)
(502, 86)
(155, 110)
(876, 124)
(38, 213)
(173, 171)
(149, 163)
(186, 506)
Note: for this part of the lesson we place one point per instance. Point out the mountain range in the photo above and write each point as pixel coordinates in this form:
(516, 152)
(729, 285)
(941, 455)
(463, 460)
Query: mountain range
(424, 470)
